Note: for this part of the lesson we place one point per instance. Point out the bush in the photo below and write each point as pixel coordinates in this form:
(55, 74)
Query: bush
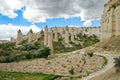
(29, 47)
(71, 70)
(4, 52)
(90, 54)
(7, 59)
(43, 52)
(28, 55)
(6, 45)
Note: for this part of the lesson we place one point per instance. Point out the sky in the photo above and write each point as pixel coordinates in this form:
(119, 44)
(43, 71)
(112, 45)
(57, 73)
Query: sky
(35, 14)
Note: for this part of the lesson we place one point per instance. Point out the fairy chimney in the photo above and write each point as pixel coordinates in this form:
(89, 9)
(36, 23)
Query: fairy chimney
(56, 34)
(46, 36)
(19, 39)
(50, 40)
(66, 35)
(72, 35)
(31, 36)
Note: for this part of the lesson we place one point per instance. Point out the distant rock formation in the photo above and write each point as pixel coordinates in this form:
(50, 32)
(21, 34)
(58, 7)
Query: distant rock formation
(19, 39)
(72, 35)
(110, 20)
(31, 36)
(46, 36)
(68, 34)
(50, 40)
(55, 34)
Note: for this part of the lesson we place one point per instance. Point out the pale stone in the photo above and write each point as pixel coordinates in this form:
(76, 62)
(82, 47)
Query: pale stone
(56, 35)
(72, 35)
(46, 36)
(110, 20)
(19, 39)
(50, 40)
(31, 36)
(66, 35)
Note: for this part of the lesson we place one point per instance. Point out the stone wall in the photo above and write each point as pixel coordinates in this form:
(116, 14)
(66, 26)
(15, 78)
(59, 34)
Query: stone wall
(110, 20)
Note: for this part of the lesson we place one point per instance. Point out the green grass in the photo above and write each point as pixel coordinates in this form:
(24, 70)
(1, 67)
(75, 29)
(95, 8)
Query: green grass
(26, 76)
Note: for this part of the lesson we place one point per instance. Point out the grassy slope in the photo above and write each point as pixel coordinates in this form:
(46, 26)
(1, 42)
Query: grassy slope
(25, 76)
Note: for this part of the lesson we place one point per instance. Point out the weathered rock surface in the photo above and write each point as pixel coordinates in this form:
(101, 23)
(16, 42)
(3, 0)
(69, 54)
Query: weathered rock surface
(110, 19)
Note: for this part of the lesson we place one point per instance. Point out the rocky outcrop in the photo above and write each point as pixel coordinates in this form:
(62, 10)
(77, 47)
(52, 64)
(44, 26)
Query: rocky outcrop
(66, 35)
(31, 36)
(46, 36)
(19, 39)
(110, 20)
(72, 35)
(50, 40)
(56, 34)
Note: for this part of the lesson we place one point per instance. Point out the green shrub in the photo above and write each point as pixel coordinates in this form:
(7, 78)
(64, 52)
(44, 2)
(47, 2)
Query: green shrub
(6, 45)
(29, 55)
(71, 70)
(43, 52)
(90, 54)
(29, 47)
(4, 52)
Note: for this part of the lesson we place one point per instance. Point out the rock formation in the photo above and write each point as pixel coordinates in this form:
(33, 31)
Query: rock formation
(31, 36)
(110, 20)
(56, 35)
(19, 39)
(50, 40)
(72, 35)
(66, 35)
(46, 36)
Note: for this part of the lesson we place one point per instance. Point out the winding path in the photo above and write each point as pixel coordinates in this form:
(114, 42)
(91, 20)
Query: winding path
(110, 57)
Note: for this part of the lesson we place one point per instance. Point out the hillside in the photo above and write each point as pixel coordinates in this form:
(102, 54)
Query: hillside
(112, 44)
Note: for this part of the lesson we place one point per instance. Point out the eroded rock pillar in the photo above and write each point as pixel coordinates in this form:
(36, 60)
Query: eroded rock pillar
(19, 39)
(67, 35)
(50, 40)
(46, 36)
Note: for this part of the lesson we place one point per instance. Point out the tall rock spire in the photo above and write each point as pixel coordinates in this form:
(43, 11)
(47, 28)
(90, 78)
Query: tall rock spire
(66, 35)
(19, 39)
(31, 36)
(56, 34)
(50, 40)
(46, 36)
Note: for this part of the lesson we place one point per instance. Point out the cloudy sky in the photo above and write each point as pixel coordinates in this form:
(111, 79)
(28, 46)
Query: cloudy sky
(35, 14)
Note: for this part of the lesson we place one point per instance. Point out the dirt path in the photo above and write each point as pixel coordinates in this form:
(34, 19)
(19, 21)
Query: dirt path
(109, 65)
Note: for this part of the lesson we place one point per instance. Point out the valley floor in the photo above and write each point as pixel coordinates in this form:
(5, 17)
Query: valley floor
(81, 64)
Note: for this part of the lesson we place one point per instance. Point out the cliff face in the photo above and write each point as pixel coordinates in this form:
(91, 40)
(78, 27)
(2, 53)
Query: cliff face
(110, 20)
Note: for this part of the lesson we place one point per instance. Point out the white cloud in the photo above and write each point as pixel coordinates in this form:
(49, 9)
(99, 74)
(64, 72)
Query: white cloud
(9, 30)
(7, 7)
(87, 23)
(40, 10)
(73, 26)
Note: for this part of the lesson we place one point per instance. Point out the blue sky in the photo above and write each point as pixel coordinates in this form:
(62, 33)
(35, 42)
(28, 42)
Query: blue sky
(20, 21)
(35, 14)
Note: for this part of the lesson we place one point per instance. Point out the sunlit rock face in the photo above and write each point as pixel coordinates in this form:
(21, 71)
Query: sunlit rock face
(31, 36)
(110, 20)
(19, 39)
(46, 35)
